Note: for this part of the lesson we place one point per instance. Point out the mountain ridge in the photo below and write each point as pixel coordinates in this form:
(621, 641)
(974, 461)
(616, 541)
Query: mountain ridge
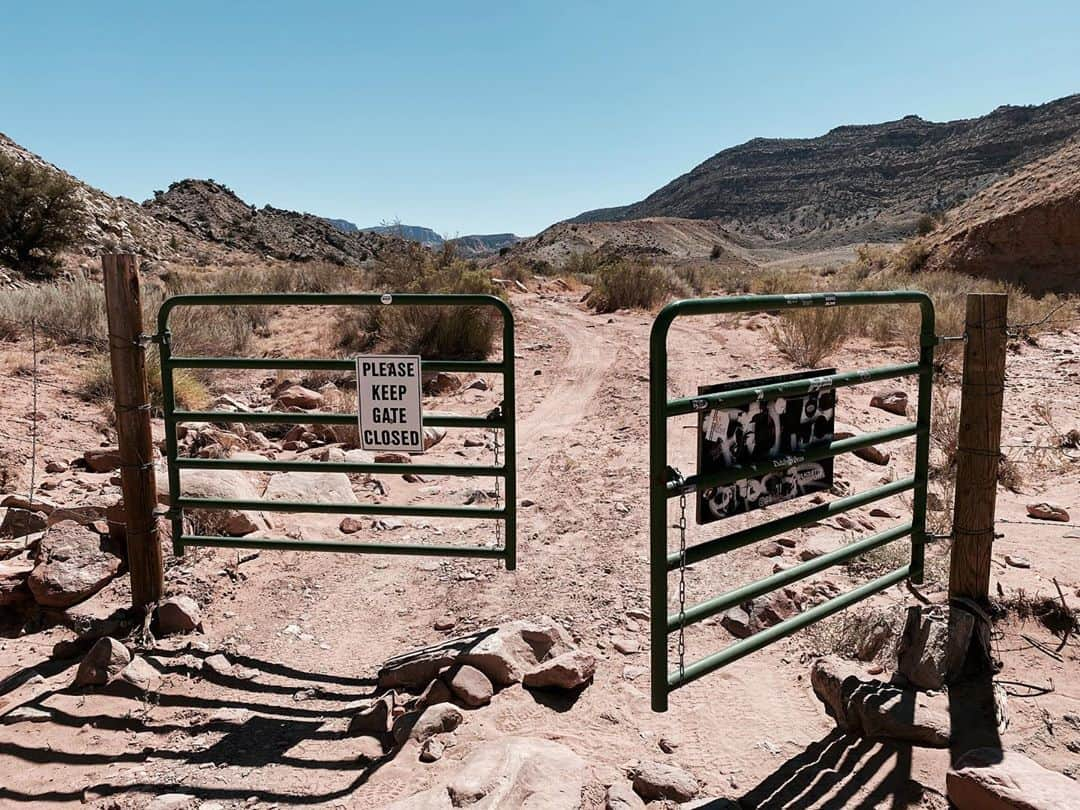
(856, 182)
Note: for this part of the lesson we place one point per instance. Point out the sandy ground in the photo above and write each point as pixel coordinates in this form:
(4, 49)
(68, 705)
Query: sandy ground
(309, 631)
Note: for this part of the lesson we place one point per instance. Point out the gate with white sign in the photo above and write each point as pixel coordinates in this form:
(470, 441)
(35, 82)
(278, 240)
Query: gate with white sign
(392, 386)
(816, 447)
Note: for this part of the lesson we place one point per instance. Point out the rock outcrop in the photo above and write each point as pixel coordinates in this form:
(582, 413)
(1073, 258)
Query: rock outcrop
(1023, 229)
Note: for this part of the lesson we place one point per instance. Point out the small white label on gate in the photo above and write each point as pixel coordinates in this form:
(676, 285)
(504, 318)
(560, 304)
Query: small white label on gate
(390, 411)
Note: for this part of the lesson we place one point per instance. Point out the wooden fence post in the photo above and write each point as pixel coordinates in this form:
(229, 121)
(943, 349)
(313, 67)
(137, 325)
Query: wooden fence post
(978, 446)
(127, 354)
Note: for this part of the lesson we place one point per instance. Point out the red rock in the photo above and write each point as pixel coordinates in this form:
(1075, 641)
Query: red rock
(991, 779)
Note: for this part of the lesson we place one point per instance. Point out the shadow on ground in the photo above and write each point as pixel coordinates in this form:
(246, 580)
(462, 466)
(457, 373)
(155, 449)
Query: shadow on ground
(274, 722)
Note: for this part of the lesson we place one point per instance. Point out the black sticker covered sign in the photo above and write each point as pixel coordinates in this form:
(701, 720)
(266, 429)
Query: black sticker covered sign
(765, 430)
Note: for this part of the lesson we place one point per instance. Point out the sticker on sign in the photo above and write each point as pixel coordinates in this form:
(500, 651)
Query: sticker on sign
(390, 411)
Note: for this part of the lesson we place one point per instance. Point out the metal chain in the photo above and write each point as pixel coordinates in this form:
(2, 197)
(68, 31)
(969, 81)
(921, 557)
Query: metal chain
(682, 584)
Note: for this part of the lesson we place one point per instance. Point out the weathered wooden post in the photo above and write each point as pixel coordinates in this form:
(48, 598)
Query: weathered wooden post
(127, 354)
(979, 446)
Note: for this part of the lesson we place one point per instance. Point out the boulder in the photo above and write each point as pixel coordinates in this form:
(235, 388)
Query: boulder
(138, 677)
(21, 522)
(437, 719)
(296, 396)
(874, 454)
(71, 566)
(310, 487)
(660, 781)
(374, 719)
(511, 772)
(469, 686)
(102, 459)
(38, 504)
(933, 645)
(234, 485)
(1048, 511)
(13, 575)
(106, 660)
(877, 710)
(178, 614)
(432, 436)
(432, 749)
(504, 654)
(621, 796)
(440, 382)
(891, 401)
(991, 779)
(737, 622)
(571, 670)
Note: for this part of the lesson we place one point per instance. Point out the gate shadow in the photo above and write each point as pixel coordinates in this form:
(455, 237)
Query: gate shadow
(830, 774)
(266, 736)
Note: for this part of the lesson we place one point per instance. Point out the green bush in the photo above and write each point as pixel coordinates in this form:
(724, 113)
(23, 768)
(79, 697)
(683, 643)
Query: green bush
(808, 336)
(622, 284)
(452, 333)
(40, 214)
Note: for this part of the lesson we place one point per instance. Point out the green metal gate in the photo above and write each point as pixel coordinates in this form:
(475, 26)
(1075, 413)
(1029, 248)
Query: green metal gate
(665, 484)
(503, 418)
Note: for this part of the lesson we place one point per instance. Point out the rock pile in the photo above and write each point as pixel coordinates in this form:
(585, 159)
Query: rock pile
(423, 691)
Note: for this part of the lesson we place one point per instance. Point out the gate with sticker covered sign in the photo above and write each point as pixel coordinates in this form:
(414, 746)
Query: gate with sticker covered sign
(388, 418)
(754, 452)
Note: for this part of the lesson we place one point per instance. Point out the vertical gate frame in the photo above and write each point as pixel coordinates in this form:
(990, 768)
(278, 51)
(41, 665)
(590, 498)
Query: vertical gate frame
(503, 418)
(662, 487)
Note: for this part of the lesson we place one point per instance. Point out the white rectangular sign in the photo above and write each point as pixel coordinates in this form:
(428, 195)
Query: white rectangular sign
(390, 411)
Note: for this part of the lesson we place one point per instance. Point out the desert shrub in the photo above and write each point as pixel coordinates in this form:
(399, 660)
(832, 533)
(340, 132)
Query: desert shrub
(586, 263)
(925, 224)
(189, 391)
(777, 281)
(66, 312)
(622, 284)
(808, 336)
(716, 252)
(40, 213)
(464, 333)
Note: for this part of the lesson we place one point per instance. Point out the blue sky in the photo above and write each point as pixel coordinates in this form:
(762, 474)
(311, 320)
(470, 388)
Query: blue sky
(487, 117)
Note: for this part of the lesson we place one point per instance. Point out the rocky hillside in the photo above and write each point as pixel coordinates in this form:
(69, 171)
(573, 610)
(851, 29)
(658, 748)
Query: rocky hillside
(213, 213)
(656, 237)
(856, 183)
(203, 221)
(1023, 229)
(115, 223)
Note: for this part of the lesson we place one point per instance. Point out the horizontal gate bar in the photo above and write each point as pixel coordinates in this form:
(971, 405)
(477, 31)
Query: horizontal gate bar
(785, 628)
(281, 544)
(721, 545)
(778, 580)
(793, 388)
(343, 508)
(824, 451)
(328, 364)
(318, 418)
(338, 466)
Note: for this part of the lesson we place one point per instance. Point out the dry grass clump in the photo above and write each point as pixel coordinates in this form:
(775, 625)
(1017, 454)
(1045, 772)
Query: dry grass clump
(66, 311)
(622, 284)
(808, 336)
(864, 634)
(95, 385)
(452, 333)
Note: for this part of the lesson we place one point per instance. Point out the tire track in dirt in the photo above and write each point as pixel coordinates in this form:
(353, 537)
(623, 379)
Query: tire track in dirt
(590, 358)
